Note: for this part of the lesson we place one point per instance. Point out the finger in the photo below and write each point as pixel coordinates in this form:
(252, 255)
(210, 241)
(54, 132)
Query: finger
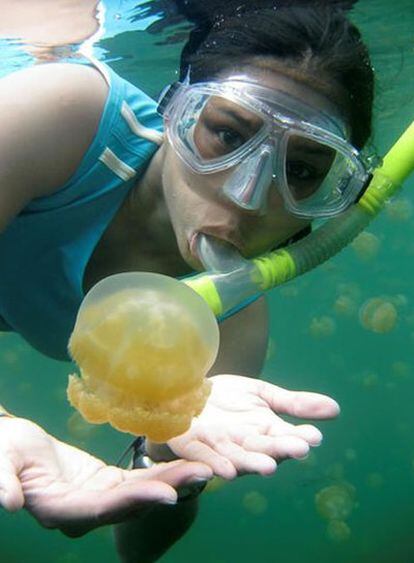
(207, 454)
(307, 432)
(83, 510)
(245, 460)
(278, 448)
(176, 473)
(11, 494)
(298, 403)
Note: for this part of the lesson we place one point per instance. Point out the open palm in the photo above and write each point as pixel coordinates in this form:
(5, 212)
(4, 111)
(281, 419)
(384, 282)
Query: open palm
(66, 488)
(240, 431)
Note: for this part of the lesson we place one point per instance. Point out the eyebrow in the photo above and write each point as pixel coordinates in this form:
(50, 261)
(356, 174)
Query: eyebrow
(244, 121)
(313, 149)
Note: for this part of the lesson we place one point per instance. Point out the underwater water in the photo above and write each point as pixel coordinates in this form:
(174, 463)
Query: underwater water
(345, 329)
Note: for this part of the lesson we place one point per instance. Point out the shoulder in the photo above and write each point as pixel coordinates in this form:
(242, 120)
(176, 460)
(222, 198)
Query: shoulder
(52, 112)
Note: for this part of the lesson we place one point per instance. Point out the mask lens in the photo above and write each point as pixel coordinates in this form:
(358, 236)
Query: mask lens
(317, 175)
(223, 127)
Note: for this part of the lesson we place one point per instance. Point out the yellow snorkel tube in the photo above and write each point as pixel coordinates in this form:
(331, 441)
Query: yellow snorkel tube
(224, 291)
(145, 342)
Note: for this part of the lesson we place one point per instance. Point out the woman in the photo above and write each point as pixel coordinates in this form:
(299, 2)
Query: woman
(90, 187)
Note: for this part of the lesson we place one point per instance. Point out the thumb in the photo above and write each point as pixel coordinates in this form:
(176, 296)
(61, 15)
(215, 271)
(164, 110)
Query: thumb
(301, 404)
(11, 493)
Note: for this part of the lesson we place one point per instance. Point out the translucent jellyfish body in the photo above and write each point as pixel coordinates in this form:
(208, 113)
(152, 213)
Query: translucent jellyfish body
(335, 502)
(255, 503)
(322, 327)
(144, 343)
(338, 531)
(366, 246)
(399, 210)
(378, 315)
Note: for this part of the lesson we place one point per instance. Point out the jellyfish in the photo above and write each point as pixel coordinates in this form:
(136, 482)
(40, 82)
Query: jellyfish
(215, 484)
(345, 306)
(369, 379)
(289, 290)
(255, 503)
(335, 502)
(400, 369)
(378, 315)
(322, 327)
(144, 344)
(78, 428)
(399, 210)
(338, 531)
(366, 246)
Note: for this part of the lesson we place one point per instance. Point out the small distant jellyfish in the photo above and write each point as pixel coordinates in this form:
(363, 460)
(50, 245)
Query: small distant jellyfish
(255, 503)
(78, 428)
(335, 502)
(345, 306)
(322, 327)
(215, 484)
(351, 289)
(10, 357)
(369, 379)
(338, 531)
(378, 315)
(399, 300)
(366, 246)
(400, 370)
(289, 291)
(399, 210)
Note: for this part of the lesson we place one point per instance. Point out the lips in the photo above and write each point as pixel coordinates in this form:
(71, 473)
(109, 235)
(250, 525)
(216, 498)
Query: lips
(220, 233)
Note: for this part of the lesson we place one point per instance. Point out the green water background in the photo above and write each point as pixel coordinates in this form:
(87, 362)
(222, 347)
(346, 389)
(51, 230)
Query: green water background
(369, 447)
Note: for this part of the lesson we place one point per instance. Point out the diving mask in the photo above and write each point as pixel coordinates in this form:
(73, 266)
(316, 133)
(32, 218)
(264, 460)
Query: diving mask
(260, 137)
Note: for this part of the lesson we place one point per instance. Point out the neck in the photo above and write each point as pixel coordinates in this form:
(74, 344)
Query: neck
(147, 224)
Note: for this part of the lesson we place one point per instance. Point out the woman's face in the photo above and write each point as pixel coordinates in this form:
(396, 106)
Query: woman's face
(196, 203)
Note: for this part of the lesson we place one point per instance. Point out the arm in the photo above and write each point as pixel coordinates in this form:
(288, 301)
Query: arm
(49, 116)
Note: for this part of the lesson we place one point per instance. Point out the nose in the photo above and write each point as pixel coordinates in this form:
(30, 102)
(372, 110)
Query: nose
(248, 186)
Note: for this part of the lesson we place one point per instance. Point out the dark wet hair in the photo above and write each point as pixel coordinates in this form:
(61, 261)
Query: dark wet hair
(311, 40)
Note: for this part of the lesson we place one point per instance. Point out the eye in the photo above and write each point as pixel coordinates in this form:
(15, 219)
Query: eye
(299, 170)
(230, 139)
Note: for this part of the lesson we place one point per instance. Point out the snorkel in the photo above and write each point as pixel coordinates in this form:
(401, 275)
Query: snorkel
(145, 342)
(231, 279)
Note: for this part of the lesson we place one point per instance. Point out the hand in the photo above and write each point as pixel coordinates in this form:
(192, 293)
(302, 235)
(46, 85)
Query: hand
(239, 430)
(66, 488)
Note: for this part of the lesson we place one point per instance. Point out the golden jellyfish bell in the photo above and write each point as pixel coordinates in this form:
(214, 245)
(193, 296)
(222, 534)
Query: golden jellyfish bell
(399, 210)
(378, 315)
(322, 327)
(335, 502)
(144, 343)
(255, 503)
(366, 246)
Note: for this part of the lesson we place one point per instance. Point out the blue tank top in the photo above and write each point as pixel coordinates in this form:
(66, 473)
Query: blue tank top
(46, 248)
